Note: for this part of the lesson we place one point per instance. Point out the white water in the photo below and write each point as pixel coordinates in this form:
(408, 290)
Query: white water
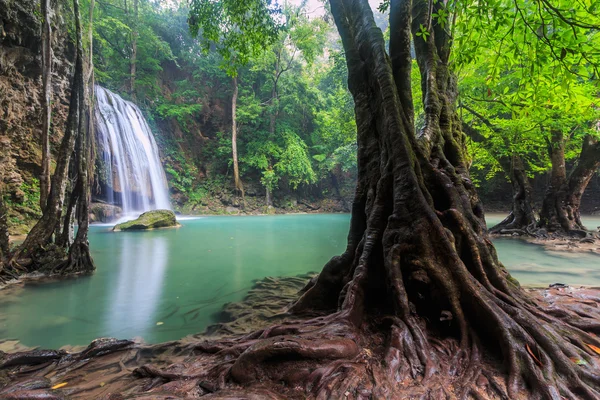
(135, 178)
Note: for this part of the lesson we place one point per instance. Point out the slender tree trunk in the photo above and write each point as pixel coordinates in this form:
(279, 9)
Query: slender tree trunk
(236, 170)
(4, 238)
(268, 197)
(46, 101)
(133, 59)
(272, 128)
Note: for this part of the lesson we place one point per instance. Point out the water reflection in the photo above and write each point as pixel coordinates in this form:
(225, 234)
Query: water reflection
(182, 277)
(138, 285)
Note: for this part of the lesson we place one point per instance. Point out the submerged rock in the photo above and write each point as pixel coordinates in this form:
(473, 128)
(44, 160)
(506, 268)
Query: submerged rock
(149, 220)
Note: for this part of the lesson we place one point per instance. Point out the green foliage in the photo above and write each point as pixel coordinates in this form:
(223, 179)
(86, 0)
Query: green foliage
(205, 190)
(113, 32)
(31, 190)
(185, 58)
(239, 30)
(527, 69)
(294, 163)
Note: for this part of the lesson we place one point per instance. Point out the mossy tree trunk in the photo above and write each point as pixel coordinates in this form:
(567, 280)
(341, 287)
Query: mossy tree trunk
(560, 208)
(46, 247)
(587, 166)
(418, 251)
(418, 306)
(522, 217)
(46, 8)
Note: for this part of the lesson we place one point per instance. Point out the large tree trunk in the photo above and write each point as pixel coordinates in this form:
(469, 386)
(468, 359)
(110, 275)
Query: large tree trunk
(560, 208)
(418, 305)
(46, 101)
(522, 216)
(418, 250)
(587, 166)
(239, 186)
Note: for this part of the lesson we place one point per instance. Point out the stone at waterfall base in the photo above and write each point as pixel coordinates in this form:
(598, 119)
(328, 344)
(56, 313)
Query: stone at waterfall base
(102, 212)
(150, 220)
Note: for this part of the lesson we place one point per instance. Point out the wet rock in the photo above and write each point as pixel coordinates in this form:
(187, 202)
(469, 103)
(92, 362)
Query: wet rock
(102, 212)
(149, 220)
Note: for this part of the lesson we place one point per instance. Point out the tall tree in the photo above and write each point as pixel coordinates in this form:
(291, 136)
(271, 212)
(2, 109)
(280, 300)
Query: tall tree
(534, 71)
(239, 31)
(560, 208)
(418, 305)
(299, 37)
(521, 218)
(45, 247)
(46, 9)
(134, 39)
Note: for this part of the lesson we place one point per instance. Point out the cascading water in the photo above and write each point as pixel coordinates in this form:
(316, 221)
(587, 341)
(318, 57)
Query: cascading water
(133, 176)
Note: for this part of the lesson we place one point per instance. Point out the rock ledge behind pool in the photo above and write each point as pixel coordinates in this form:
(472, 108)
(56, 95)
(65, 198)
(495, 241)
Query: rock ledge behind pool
(149, 220)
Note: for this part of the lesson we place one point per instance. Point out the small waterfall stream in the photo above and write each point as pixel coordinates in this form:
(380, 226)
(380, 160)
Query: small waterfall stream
(132, 173)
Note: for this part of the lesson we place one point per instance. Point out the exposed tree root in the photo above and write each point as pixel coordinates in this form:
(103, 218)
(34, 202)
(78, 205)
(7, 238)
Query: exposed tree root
(329, 358)
(418, 306)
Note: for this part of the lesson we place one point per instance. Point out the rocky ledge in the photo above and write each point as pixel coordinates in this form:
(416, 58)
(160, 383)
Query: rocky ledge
(149, 220)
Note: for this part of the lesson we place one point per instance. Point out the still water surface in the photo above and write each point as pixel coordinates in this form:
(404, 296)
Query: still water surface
(165, 284)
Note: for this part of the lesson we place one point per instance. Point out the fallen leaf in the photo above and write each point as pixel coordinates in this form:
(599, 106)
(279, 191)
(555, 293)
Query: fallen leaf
(578, 361)
(159, 323)
(102, 384)
(533, 355)
(595, 348)
(59, 385)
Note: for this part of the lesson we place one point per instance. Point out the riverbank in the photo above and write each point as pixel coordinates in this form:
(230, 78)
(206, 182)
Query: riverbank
(117, 369)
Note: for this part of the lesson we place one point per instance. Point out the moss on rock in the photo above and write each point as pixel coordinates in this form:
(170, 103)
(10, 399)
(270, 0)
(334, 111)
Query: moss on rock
(149, 220)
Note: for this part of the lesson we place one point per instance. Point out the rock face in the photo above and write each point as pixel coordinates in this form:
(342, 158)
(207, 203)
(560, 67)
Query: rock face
(149, 220)
(20, 103)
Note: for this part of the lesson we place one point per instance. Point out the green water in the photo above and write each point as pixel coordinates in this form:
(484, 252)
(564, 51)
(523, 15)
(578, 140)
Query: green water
(182, 277)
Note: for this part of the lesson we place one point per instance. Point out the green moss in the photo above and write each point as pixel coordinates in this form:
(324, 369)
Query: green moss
(149, 220)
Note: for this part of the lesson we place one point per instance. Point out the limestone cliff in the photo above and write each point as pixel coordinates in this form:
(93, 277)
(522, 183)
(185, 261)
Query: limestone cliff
(20, 103)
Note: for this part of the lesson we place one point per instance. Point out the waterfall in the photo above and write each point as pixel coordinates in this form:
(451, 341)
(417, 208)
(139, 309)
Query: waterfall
(132, 175)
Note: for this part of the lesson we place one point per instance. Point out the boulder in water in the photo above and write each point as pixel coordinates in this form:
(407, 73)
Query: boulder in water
(149, 220)
(102, 212)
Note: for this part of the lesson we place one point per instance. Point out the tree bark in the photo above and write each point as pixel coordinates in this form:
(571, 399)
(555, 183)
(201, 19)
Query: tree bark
(587, 165)
(560, 208)
(38, 252)
(133, 58)
(418, 247)
(239, 187)
(418, 306)
(4, 238)
(46, 101)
